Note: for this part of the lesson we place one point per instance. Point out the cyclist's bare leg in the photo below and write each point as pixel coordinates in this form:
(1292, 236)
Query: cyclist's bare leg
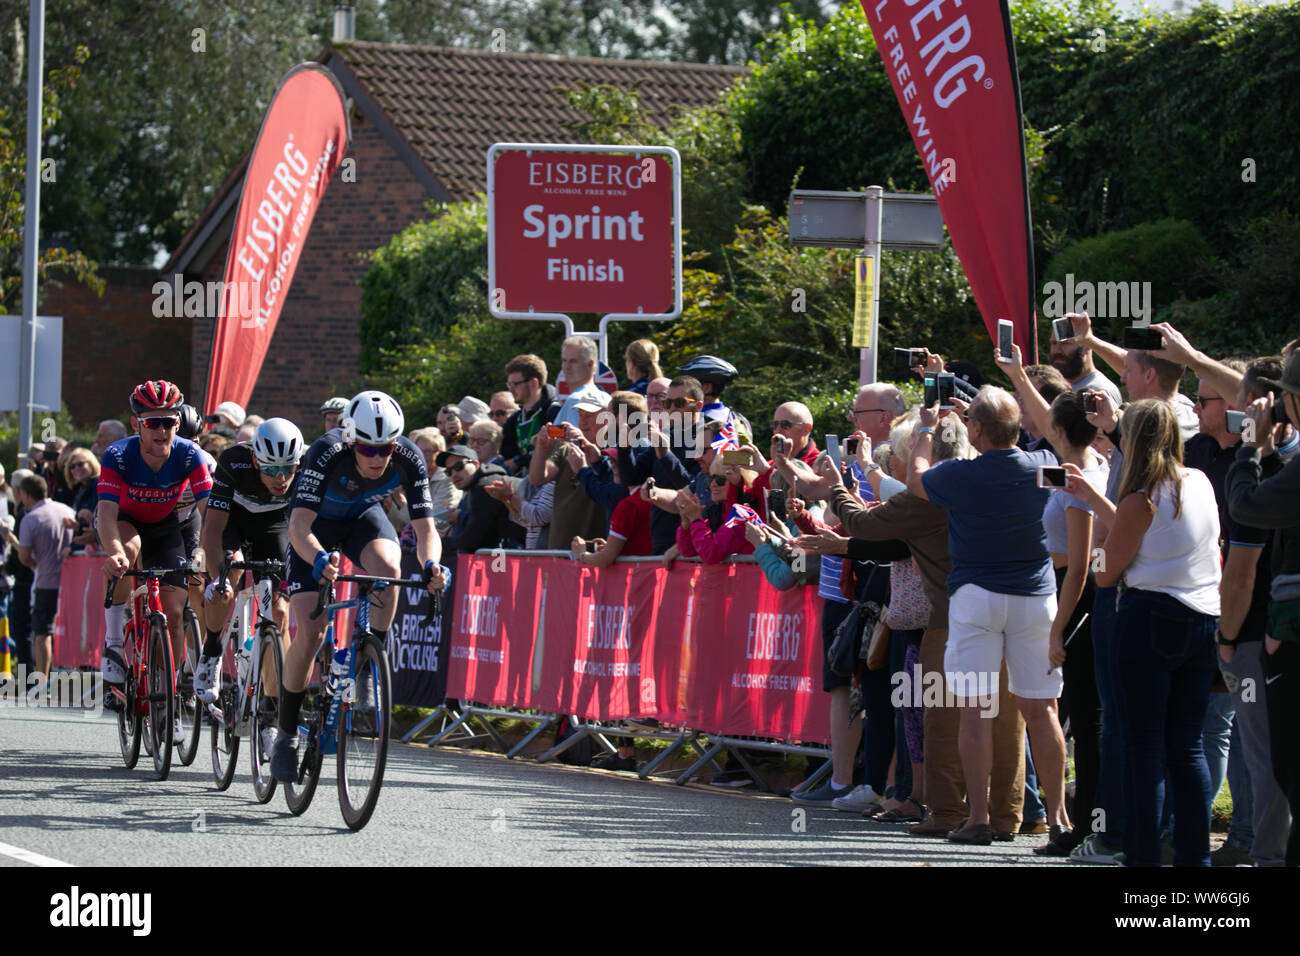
(306, 643)
(382, 558)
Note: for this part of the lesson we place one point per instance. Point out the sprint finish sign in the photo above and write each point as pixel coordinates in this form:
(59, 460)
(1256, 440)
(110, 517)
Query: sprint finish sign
(584, 229)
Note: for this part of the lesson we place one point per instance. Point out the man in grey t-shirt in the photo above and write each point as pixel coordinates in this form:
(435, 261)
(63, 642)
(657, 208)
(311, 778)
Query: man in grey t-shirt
(1073, 359)
(43, 542)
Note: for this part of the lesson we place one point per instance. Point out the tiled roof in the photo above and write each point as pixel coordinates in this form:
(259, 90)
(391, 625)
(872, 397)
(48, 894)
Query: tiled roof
(450, 104)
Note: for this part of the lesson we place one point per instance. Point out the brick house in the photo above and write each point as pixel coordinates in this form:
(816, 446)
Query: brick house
(422, 121)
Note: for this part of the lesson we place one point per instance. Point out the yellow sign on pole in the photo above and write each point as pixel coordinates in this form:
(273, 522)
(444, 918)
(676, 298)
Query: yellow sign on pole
(863, 301)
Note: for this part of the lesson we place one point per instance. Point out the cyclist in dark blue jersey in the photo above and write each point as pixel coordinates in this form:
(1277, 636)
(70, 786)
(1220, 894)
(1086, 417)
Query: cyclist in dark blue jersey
(338, 506)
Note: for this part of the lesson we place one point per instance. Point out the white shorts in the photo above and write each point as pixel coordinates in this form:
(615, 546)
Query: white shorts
(984, 627)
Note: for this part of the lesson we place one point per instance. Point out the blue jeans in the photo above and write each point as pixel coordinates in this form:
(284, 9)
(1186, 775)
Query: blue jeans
(1216, 738)
(1034, 809)
(1241, 828)
(1164, 655)
(1110, 773)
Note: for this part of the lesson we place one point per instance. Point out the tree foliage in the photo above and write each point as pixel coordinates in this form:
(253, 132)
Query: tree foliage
(51, 260)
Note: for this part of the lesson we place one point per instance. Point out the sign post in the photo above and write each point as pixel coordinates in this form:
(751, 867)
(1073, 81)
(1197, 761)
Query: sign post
(576, 228)
(872, 221)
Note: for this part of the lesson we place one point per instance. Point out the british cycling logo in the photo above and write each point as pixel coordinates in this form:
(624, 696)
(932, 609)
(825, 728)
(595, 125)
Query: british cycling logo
(76, 909)
(77, 689)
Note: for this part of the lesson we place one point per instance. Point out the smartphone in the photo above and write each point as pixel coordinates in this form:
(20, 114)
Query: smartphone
(592, 547)
(908, 358)
(1006, 336)
(775, 503)
(1062, 329)
(1142, 338)
(833, 450)
(554, 431)
(1051, 476)
(1091, 402)
(851, 446)
(736, 456)
(1236, 422)
(945, 388)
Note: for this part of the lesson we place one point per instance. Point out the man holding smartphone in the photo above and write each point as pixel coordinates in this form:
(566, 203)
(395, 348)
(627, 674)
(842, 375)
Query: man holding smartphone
(1072, 357)
(1002, 600)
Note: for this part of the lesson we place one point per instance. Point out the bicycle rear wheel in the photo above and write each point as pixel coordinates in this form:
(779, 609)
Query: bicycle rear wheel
(128, 719)
(363, 736)
(298, 795)
(266, 710)
(161, 699)
(188, 707)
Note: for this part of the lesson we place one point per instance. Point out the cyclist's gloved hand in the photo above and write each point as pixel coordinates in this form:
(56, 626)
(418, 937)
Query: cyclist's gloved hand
(433, 572)
(219, 587)
(323, 559)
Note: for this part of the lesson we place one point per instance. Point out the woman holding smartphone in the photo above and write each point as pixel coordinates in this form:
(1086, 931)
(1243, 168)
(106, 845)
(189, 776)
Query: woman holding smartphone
(1068, 521)
(1163, 541)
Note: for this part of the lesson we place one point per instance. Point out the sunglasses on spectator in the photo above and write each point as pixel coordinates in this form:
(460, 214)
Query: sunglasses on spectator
(1203, 400)
(277, 471)
(161, 424)
(863, 411)
(501, 413)
(516, 383)
(682, 402)
(783, 424)
(456, 467)
(718, 479)
(375, 451)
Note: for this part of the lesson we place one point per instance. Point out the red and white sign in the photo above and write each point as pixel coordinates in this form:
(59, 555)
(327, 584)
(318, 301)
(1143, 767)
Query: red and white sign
(581, 230)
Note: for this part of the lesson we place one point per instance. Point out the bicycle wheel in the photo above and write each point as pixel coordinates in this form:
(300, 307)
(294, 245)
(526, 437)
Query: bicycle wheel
(188, 707)
(298, 795)
(363, 736)
(161, 701)
(266, 710)
(128, 719)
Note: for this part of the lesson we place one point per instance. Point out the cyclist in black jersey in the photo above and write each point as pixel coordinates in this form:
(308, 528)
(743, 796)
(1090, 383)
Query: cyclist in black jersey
(338, 505)
(248, 511)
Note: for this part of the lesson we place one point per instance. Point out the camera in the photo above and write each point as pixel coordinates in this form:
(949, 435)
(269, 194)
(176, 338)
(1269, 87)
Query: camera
(554, 431)
(1062, 328)
(1091, 402)
(851, 445)
(905, 359)
(1143, 339)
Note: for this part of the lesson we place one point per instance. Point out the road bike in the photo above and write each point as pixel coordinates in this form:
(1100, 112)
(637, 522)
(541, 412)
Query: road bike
(147, 698)
(350, 715)
(246, 706)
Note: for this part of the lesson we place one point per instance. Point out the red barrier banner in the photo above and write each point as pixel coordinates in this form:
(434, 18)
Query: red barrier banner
(79, 625)
(761, 671)
(303, 139)
(498, 621)
(953, 69)
(709, 647)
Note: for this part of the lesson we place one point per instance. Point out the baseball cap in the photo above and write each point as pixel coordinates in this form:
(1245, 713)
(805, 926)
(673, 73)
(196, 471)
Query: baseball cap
(459, 451)
(593, 400)
(232, 412)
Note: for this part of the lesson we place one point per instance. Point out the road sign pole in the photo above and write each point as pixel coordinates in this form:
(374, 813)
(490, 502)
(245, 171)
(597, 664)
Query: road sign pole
(31, 223)
(872, 247)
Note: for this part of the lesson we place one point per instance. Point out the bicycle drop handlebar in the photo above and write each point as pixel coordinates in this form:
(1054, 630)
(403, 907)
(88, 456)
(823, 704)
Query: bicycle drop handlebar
(327, 592)
(148, 574)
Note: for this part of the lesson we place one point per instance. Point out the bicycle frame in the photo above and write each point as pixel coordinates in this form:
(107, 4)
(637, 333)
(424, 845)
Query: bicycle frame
(242, 623)
(134, 647)
(329, 739)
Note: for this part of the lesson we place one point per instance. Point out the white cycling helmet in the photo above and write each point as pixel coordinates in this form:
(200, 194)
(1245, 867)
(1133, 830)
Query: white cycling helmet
(375, 418)
(277, 442)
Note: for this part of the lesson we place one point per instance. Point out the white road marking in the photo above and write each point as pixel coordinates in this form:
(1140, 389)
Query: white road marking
(27, 856)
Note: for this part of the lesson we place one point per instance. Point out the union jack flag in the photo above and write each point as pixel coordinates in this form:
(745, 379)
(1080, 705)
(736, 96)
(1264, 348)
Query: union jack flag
(740, 514)
(726, 439)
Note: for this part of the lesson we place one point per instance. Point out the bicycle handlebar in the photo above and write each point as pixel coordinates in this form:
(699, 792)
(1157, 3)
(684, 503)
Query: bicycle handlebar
(149, 574)
(326, 594)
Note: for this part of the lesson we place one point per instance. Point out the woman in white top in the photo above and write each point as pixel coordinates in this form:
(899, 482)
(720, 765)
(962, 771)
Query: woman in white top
(1164, 542)
(1068, 522)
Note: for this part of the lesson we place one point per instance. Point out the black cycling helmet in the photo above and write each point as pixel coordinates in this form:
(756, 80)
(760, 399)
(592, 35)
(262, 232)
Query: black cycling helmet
(709, 368)
(191, 425)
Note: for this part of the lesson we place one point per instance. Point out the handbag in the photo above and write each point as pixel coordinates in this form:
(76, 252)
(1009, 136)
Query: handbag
(878, 649)
(846, 646)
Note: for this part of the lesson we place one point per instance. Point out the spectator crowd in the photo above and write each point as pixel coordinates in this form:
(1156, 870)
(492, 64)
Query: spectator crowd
(1079, 575)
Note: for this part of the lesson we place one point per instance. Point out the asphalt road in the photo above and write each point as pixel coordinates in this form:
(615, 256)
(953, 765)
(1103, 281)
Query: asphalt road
(65, 796)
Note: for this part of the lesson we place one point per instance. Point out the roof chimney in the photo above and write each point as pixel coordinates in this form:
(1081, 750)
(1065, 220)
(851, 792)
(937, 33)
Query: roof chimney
(345, 23)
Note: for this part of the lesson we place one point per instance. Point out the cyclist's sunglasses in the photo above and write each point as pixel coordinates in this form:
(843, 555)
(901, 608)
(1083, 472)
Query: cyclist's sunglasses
(376, 451)
(161, 424)
(277, 471)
